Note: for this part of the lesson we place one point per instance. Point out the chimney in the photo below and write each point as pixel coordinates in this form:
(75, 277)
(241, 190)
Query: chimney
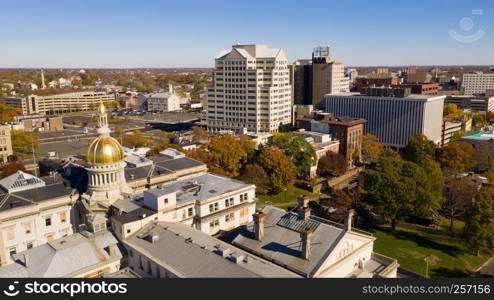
(27, 261)
(112, 250)
(348, 220)
(306, 236)
(259, 219)
(303, 201)
(304, 210)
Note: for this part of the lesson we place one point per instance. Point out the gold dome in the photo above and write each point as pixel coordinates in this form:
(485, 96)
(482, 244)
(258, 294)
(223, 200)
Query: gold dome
(104, 150)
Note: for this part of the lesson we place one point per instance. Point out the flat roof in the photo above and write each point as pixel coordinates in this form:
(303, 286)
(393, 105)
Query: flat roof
(203, 187)
(409, 97)
(479, 135)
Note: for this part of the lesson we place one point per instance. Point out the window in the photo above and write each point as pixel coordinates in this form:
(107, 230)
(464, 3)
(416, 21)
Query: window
(166, 200)
(29, 245)
(243, 197)
(48, 221)
(229, 202)
(10, 232)
(213, 207)
(27, 228)
(229, 217)
(214, 223)
(12, 250)
(63, 217)
(190, 211)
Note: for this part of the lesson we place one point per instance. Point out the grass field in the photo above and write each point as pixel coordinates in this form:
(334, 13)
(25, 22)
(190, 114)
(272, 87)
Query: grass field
(285, 198)
(447, 255)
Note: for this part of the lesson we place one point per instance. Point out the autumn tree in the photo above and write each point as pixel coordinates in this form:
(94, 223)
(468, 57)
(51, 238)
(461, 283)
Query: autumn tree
(248, 145)
(298, 149)
(23, 141)
(279, 167)
(478, 120)
(225, 155)
(399, 189)
(12, 167)
(459, 192)
(7, 113)
(255, 174)
(199, 134)
(332, 164)
(451, 111)
(484, 157)
(479, 223)
(456, 157)
(371, 148)
(418, 147)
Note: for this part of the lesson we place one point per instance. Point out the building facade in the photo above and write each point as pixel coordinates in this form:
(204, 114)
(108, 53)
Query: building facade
(163, 102)
(32, 213)
(5, 143)
(328, 76)
(481, 104)
(394, 120)
(60, 103)
(477, 83)
(250, 90)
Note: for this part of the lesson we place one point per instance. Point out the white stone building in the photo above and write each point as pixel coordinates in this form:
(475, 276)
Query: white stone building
(477, 83)
(251, 89)
(209, 203)
(32, 213)
(163, 102)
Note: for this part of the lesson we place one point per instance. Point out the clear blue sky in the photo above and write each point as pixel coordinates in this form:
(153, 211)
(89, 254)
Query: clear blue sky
(189, 33)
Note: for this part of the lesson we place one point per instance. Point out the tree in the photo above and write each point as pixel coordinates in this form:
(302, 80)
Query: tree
(399, 189)
(11, 168)
(7, 113)
(134, 141)
(456, 157)
(451, 111)
(298, 149)
(279, 167)
(478, 121)
(418, 147)
(332, 164)
(255, 174)
(225, 155)
(459, 192)
(199, 134)
(248, 145)
(24, 141)
(371, 148)
(479, 223)
(389, 153)
(483, 155)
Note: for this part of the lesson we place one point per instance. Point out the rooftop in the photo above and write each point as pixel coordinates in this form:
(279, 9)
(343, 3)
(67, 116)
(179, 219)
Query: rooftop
(203, 187)
(62, 257)
(409, 97)
(479, 135)
(192, 253)
(282, 244)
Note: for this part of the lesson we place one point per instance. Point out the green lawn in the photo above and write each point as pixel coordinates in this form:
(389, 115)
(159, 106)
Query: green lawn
(289, 196)
(448, 256)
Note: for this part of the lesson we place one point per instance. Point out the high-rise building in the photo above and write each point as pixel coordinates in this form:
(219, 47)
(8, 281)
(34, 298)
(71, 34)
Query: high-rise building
(312, 79)
(301, 81)
(477, 83)
(250, 90)
(393, 117)
(328, 76)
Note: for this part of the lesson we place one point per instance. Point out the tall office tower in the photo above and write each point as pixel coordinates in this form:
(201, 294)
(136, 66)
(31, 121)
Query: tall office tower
(328, 76)
(250, 91)
(477, 83)
(301, 81)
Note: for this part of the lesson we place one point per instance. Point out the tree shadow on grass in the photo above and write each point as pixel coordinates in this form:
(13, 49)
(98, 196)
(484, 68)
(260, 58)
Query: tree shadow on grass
(427, 242)
(449, 273)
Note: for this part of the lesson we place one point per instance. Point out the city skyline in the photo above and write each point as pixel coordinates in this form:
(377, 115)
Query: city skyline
(152, 34)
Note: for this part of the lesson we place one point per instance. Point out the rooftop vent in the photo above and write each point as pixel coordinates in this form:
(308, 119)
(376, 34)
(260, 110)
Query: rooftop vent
(152, 237)
(237, 257)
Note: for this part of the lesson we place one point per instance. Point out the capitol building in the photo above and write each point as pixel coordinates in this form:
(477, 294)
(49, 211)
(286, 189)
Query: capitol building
(168, 213)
